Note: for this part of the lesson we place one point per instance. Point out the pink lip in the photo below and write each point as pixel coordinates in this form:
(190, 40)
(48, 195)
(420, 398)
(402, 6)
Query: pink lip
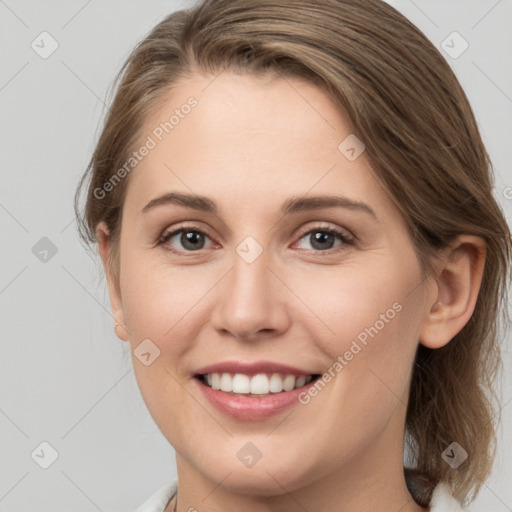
(247, 408)
(252, 368)
(251, 409)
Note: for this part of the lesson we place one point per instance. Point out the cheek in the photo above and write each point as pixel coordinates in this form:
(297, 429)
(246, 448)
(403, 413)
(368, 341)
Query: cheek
(373, 314)
(160, 308)
(159, 299)
(373, 305)
(375, 317)
(158, 305)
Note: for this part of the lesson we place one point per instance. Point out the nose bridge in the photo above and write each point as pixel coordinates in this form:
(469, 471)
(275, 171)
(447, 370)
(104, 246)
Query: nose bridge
(249, 300)
(249, 280)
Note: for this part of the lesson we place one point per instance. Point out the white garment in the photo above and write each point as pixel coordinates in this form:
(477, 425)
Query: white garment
(160, 499)
(442, 500)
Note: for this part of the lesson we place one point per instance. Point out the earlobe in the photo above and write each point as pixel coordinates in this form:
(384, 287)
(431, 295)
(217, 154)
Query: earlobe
(104, 248)
(458, 284)
(121, 332)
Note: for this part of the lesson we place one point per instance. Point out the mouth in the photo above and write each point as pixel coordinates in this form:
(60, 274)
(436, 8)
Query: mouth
(253, 391)
(255, 386)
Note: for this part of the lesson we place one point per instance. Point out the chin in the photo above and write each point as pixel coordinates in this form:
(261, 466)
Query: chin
(269, 476)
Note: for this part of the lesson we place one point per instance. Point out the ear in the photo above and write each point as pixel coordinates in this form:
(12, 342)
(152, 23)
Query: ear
(458, 284)
(116, 304)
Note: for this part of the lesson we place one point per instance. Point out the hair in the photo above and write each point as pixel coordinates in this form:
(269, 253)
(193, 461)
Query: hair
(422, 143)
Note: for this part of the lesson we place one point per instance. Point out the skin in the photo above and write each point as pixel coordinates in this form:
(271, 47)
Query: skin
(251, 144)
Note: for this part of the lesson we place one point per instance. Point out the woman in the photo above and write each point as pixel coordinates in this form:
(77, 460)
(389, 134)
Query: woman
(244, 136)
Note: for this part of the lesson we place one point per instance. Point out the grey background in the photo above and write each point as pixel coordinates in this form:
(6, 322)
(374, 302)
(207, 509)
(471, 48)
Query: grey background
(66, 379)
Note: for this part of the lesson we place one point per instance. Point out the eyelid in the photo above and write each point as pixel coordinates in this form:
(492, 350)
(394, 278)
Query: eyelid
(185, 225)
(170, 232)
(340, 231)
(347, 237)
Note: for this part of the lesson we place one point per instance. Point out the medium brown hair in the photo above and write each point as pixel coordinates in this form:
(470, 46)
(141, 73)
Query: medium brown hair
(422, 142)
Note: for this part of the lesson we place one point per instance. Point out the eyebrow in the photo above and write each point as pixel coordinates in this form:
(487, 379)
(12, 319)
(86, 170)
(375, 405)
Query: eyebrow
(292, 205)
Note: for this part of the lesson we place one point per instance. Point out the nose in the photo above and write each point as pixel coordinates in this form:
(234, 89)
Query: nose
(250, 301)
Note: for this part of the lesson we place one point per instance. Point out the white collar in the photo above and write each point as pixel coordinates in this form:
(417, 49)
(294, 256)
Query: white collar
(443, 500)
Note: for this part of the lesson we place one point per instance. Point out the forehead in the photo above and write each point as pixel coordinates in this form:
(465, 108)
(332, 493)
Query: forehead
(252, 138)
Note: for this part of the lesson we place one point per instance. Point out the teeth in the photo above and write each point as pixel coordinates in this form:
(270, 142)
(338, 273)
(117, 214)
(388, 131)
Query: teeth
(226, 382)
(300, 381)
(215, 380)
(260, 384)
(276, 383)
(289, 382)
(242, 383)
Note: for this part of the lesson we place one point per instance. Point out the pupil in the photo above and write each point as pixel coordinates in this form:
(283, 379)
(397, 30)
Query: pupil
(321, 238)
(188, 239)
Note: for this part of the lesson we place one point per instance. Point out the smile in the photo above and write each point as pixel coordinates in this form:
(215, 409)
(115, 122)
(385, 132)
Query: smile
(252, 391)
(256, 385)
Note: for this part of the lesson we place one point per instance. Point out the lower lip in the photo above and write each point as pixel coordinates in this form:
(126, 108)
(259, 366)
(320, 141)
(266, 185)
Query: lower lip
(252, 408)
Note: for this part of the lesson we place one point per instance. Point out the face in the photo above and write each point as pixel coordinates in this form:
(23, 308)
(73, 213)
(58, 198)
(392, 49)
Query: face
(256, 286)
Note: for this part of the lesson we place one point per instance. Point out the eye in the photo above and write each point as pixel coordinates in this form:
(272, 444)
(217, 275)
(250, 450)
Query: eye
(322, 239)
(190, 238)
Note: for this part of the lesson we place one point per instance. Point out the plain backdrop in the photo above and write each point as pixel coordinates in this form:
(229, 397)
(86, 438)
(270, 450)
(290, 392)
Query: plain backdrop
(66, 380)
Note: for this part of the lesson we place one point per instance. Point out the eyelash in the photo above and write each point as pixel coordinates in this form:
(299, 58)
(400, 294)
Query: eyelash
(345, 239)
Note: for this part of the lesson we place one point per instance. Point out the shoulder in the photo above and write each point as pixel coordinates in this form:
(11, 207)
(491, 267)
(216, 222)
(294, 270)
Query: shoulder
(159, 500)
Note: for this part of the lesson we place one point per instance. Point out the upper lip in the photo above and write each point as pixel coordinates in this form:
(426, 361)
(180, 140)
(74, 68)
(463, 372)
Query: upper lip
(251, 368)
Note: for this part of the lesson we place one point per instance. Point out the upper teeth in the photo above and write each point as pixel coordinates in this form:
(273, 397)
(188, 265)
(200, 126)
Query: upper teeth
(259, 384)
